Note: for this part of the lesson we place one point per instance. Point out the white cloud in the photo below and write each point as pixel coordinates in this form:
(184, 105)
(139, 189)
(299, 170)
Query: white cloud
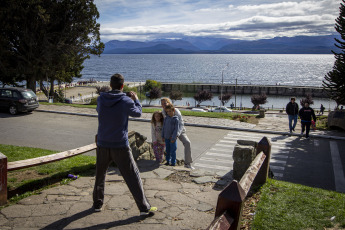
(146, 20)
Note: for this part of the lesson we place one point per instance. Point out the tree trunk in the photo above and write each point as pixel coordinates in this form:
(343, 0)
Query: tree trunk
(44, 89)
(51, 93)
(31, 83)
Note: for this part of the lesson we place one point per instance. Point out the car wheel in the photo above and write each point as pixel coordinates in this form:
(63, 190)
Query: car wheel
(13, 110)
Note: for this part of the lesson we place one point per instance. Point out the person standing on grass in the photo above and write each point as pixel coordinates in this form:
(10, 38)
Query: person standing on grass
(169, 133)
(182, 136)
(158, 143)
(306, 114)
(292, 111)
(114, 108)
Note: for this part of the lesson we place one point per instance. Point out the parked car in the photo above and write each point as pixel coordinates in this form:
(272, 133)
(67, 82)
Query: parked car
(221, 110)
(17, 99)
(198, 110)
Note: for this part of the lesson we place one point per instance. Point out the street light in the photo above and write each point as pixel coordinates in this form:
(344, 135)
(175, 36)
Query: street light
(221, 87)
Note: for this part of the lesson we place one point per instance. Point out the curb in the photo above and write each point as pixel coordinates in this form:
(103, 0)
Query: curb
(205, 126)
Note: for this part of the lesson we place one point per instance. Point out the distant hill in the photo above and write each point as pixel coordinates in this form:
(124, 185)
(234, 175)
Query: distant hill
(194, 45)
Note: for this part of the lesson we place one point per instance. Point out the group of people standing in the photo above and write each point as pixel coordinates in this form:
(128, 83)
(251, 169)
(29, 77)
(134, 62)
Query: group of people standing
(114, 108)
(306, 114)
(166, 126)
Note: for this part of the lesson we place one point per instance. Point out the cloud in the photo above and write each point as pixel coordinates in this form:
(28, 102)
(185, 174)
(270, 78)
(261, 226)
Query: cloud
(148, 20)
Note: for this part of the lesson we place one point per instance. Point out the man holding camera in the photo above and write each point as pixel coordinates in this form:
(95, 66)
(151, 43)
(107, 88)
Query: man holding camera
(114, 108)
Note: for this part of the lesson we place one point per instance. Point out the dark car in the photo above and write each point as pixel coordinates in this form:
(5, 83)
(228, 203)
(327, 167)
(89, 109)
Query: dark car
(17, 99)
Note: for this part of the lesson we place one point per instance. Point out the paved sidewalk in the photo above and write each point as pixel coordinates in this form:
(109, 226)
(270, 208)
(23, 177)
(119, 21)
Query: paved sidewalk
(181, 205)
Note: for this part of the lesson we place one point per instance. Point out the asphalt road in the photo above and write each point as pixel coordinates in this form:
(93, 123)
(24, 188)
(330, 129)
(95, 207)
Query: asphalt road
(64, 132)
(317, 162)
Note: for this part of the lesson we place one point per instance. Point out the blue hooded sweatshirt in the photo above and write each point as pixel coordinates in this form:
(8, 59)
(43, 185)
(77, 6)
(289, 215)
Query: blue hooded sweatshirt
(113, 109)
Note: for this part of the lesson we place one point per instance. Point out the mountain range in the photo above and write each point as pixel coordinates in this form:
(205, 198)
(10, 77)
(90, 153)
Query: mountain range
(207, 45)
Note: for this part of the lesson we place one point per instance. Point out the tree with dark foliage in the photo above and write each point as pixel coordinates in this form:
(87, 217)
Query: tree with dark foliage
(202, 96)
(258, 99)
(175, 96)
(225, 98)
(154, 93)
(334, 82)
(308, 99)
(47, 40)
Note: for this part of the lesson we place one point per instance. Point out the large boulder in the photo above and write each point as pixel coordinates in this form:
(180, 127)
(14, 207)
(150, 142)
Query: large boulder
(336, 119)
(140, 147)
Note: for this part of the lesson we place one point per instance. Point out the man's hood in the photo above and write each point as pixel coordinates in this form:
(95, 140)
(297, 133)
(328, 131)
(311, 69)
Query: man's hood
(111, 98)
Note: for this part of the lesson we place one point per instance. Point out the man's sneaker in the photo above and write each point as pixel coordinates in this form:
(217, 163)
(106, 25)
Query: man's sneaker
(189, 166)
(293, 130)
(149, 212)
(307, 138)
(97, 209)
(167, 164)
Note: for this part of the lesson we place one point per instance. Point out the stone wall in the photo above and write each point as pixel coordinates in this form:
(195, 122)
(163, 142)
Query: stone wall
(247, 89)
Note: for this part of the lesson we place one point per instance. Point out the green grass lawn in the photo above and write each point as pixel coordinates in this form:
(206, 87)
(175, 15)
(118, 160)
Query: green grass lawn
(22, 183)
(291, 206)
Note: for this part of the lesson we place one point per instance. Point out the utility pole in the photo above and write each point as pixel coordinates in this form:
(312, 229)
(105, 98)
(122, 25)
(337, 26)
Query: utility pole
(235, 92)
(221, 87)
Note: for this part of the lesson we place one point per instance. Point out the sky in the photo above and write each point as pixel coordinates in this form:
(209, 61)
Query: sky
(146, 20)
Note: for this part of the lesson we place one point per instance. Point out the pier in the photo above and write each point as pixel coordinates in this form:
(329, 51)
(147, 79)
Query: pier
(278, 90)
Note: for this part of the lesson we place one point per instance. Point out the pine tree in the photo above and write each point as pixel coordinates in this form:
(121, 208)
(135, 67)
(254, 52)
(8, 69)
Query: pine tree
(334, 82)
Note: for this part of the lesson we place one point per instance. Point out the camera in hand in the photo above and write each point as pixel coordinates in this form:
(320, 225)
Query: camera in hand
(128, 94)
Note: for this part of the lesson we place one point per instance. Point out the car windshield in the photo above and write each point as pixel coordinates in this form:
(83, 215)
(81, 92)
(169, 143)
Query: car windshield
(28, 94)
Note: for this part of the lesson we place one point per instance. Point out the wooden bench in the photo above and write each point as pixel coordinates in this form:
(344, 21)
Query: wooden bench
(230, 201)
(11, 166)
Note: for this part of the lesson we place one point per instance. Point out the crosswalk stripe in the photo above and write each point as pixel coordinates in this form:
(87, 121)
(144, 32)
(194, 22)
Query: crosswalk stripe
(222, 161)
(277, 167)
(277, 161)
(212, 166)
(219, 154)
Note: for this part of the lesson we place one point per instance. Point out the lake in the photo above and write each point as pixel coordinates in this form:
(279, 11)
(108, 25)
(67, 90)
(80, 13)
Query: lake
(259, 69)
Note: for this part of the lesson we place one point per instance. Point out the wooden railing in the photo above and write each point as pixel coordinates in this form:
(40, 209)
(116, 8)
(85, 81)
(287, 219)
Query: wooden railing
(10, 166)
(230, 201)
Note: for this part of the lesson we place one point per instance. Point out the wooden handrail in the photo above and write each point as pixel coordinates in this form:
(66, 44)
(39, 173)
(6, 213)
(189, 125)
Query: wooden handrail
(15, 165)
(228, 213)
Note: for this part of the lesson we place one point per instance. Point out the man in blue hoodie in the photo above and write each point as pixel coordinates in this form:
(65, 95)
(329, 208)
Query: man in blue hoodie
(114, 108)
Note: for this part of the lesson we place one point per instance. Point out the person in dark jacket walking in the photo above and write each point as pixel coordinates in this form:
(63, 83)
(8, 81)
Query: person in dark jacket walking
(292, 111)
(113, 109)
(306, 114)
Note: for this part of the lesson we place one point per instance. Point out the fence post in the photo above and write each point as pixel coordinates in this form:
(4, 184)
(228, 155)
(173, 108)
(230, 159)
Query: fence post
(231, 200)
(265, 146)
(3, 179)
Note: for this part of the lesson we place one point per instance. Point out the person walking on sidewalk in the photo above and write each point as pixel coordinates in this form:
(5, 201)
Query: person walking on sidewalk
(114, 108)
(292, 111)
(306, 114)
(169, 133)
(322, 109)
(182, 136)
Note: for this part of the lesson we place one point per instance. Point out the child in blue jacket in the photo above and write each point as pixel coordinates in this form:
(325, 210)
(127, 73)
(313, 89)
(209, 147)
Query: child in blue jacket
(169, 133)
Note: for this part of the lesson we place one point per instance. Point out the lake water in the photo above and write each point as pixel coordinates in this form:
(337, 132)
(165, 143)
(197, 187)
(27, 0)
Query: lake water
(255, 69)
(260, 69)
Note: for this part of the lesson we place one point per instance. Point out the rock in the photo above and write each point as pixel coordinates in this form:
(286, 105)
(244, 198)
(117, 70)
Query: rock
(243, 156)
(337, 119)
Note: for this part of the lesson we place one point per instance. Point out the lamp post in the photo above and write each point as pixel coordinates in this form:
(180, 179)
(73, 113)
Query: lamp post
(221, 87)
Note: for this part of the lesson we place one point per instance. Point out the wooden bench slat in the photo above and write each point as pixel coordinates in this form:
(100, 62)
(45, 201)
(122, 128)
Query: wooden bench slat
(49, 158)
